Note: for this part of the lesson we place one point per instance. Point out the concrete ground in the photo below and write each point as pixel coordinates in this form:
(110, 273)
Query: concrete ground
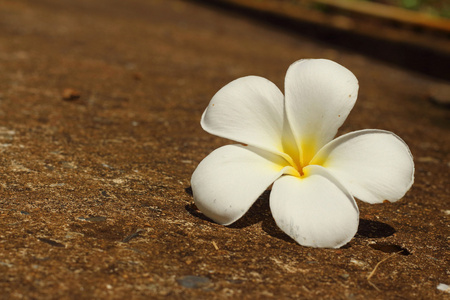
(100, 103)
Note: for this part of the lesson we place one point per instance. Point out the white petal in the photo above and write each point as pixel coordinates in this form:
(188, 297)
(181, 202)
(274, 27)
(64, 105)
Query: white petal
(248, 110)
(229, 180)
(319, 96)
(375, 165)
(316, 210)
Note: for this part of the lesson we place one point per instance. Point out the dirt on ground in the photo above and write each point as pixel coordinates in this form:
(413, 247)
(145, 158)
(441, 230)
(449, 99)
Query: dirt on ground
(100, 103)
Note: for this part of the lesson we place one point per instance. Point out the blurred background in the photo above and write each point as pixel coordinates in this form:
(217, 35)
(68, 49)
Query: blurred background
(414, 34)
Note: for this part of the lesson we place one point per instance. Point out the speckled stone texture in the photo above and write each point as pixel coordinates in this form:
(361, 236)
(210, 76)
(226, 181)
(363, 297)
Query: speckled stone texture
(100, 103)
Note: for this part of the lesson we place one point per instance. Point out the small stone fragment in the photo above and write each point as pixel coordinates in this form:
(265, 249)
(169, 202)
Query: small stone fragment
(137, 76)
(440, 94)
(132, 236)
(70, 94)
(71, 235)
(443, 287)
(427, 159)
(359, 263)
(6, 134)
(194, 282)
(51, 242)
(93, 219)
(5, 264)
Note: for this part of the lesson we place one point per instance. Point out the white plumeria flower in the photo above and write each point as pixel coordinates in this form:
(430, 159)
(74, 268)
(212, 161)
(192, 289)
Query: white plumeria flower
(288, 142)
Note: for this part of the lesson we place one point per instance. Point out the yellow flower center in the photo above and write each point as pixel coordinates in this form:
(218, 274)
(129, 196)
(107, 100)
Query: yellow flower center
(300, 159)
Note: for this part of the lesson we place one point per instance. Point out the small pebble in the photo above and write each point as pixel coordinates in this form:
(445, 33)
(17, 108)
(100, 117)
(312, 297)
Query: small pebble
(427, 159)
(359, 263)
(194, 282)
(443, 287)
(93, 219)
(57, 184)
(51, 242)
(439, 95)
(5, 264)
(137, 76)
(69, 94)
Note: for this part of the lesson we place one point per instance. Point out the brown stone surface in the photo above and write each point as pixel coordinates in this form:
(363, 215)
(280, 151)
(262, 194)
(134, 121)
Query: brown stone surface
(94, 190)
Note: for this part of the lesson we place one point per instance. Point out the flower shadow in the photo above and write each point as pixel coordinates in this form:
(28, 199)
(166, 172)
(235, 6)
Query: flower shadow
(260, 212)
(271, 228)
(373, 229)
(193, 210)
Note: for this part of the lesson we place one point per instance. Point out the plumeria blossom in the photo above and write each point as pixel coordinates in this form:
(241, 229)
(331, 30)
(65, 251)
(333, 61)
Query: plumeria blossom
(287, 142)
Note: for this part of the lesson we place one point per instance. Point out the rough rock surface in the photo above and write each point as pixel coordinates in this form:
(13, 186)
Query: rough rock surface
(100, 104)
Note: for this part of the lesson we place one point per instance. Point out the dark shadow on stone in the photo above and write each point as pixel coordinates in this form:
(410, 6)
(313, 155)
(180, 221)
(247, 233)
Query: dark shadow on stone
(188, 191)
(271, 228)
(390, 248)
(373, 229)
(194, 211)
(346, 246)
(258, 212)
(192, 208)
